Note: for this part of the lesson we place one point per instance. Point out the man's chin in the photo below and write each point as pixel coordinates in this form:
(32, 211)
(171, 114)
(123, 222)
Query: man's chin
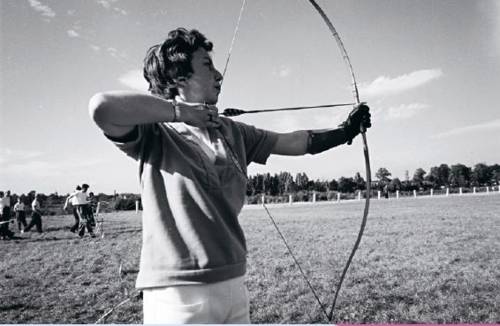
(211, 101)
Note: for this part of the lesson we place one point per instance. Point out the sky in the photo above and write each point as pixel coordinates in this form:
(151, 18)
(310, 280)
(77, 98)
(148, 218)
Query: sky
(429, 70)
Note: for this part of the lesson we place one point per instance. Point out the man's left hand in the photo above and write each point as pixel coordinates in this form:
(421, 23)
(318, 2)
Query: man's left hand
(357, 121)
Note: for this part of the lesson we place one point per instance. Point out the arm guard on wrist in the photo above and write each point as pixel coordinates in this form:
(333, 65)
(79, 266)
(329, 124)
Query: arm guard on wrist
(320, 141)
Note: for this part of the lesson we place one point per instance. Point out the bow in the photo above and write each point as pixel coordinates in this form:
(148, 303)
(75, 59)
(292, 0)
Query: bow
(234, 112)
(355, 92)
(365, 151)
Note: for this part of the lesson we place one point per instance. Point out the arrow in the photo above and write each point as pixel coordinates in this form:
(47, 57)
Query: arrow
(232, 112)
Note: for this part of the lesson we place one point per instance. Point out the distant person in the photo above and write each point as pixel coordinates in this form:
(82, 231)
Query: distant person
(5, 233)
(193, 178)
(36, 215)
(74, 202)
(92, 199)
(8, 203)
(83, 208)
(20, 211)
(86, 214)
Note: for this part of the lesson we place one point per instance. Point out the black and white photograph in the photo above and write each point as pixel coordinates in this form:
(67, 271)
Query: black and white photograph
(249, 162)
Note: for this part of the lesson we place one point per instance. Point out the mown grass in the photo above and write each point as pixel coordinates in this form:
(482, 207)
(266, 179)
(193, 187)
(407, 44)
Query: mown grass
(421, 260)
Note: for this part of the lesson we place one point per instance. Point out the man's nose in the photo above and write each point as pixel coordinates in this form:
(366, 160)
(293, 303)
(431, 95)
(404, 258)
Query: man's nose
(218, 76)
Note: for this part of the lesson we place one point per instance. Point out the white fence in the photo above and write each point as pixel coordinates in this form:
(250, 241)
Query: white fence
(379, 195)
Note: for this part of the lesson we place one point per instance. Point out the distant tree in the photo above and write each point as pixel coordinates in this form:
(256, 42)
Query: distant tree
(432, 177)
(394, 185)
(320, 186)
(443, 174)
(346, 184)
(495, 174)
(407, 176)
(333, 185)
(460, 175)
(285, 182)
(383, 175)
(481, 174)
(251, 190)
(407, 185)
(274, 185)
(258, 183)
(302, 181)
(266, 183)
(419, 177)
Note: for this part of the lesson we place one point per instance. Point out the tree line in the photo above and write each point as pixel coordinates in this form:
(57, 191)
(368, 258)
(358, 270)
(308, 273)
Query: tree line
(457, 175)
(284, 183)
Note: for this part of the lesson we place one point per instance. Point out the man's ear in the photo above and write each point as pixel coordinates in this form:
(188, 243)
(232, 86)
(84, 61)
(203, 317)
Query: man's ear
(181, 81)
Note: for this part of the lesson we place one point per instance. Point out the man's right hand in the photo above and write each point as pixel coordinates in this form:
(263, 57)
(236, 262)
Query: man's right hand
(198, 115)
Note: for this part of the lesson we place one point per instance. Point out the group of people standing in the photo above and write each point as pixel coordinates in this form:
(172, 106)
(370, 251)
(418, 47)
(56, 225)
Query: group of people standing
(20, 213)
(83, 204)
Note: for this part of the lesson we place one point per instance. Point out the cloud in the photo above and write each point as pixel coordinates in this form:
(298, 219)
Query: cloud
(72, 33)
(108, 4)
(383, 86)
(135, 80)
(44, 10)
(105, 3)
(94, 47)
(115, 53)
(33, 164)
(486, 126)
(8, 156)
(120, 11)
(404, 111)
(282, 71)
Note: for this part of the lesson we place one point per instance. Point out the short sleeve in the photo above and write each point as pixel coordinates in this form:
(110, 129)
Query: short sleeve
(259, 143)
(131, 143)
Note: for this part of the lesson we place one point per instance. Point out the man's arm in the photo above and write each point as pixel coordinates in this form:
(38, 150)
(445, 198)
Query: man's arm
(317, 141)
(118, 112)
(308, 141)
(292, 143)
(67, 201)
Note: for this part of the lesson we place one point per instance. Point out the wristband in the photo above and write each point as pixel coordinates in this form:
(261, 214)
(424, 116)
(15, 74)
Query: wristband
(174, 106)
(320, 141)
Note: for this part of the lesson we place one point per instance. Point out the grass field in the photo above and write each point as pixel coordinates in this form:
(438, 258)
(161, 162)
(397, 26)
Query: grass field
(421, 260)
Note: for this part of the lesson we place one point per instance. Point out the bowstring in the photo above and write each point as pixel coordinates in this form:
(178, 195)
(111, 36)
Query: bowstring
(296, 262)
(236, 29)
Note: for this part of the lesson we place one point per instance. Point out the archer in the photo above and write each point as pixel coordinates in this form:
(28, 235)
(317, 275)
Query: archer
(192, 168)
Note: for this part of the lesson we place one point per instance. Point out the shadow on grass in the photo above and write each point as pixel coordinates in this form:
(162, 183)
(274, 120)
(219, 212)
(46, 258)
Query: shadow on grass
(43, 237)
(11, 307)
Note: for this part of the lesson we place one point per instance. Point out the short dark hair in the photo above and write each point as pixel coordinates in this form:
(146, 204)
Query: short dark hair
(85, 186)
(166, 62)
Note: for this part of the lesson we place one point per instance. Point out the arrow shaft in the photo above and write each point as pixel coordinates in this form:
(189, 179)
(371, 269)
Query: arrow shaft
(296, 108)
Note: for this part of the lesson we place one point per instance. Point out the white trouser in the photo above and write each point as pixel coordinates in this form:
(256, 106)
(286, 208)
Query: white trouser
(224, 302)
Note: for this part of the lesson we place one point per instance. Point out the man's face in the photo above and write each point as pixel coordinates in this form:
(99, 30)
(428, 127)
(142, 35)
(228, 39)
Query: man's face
(204, 84)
